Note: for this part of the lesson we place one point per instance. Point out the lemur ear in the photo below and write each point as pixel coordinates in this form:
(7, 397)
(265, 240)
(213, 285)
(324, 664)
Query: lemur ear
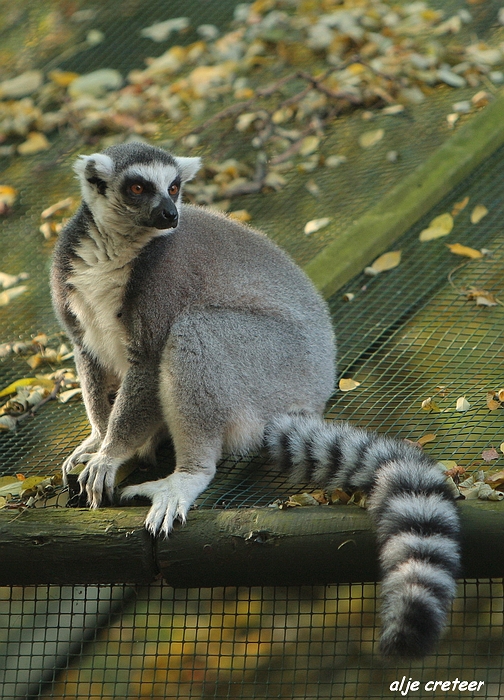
(188, 167)
(95, 169)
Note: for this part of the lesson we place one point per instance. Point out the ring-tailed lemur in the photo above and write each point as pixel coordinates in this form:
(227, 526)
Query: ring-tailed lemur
(206, 331)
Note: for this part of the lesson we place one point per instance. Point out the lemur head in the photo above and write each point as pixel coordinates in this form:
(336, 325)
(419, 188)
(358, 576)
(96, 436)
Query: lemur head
(134, 184)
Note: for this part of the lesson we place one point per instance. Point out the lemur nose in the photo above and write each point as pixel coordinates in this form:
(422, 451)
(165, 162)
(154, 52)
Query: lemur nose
(169, 215)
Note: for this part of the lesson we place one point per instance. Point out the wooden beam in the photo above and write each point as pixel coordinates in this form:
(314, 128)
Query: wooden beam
(379, 227)
(257, 546)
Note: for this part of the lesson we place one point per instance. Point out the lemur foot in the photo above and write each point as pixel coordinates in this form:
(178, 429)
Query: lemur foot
(171, 499)
(98, 477)
(82, 453)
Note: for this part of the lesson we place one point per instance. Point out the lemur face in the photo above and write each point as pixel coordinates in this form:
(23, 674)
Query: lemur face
(135, 182)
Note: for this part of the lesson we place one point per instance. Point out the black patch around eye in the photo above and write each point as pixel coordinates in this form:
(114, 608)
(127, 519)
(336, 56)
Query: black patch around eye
(148, 187)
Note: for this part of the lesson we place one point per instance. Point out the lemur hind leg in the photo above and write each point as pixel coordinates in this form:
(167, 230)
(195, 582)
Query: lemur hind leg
(213, 398)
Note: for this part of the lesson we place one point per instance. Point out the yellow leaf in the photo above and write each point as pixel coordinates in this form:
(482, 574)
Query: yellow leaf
(440, 226)
(385, 262)
(30, 483)
(240, 215)
(459, 249)
(348, 384)
(26, 381)
(459, 206)
(7, 195)
(478, 213)
(62, 78)
(430, 437)
(35, 143)
(309, 145)
(370, 138)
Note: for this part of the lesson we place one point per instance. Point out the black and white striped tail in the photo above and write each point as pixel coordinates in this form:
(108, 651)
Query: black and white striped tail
(410, 503)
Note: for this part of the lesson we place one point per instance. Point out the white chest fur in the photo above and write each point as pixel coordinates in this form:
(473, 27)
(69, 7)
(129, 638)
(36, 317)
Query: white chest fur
(96, 299)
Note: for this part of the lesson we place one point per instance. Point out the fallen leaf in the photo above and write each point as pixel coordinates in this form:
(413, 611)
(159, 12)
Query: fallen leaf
(455, 471)
(7, 198)
(302, 499)
(430, 405)
(481, 297)
(62, 205)
(162, 30)
(439, 226)
(459, 249)
(495, 480)
(492, 403)
(460, 206)
(26, 381)
(240, 215)
(9, 294)
(316, 224)
(462, 404)
(478, 213)
(35, 143)
(339, 496)
(31, 482)
(370, 138)
(348, 384)
(490, 454)
(65, 396)
(7, 280)
(10, 485)
(313, 188)
(430, 437)
(385, 262)
(309, 145)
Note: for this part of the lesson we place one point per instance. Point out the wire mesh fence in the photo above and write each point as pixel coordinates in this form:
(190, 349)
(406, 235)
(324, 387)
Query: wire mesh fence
(294, 642)
(409, 334)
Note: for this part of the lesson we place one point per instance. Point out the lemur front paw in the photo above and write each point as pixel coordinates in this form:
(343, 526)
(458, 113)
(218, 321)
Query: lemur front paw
(82, 453)
(98, 477)
(171, 499)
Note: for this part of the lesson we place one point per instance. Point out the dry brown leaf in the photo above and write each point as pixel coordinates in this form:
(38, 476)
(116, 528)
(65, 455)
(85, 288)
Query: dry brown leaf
(385, 262)
(460, 206)
(478, 213)
(495, 480)
(464, 250)
(492, 402)
(439, 226)
(490, 454)
(348, 384)
(339, 496)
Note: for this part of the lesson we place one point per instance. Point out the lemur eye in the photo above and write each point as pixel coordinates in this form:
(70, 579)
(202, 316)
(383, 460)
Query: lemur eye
(137, 188)
(173, 189)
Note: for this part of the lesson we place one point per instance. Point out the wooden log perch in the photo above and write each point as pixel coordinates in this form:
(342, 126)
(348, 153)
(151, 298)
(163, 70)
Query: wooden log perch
(259, 546)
